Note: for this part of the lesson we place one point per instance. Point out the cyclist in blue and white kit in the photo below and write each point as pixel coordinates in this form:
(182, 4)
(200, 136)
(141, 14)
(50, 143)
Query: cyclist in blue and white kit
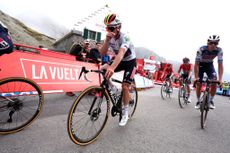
(125, 59)
(6, 44)
(204, 64)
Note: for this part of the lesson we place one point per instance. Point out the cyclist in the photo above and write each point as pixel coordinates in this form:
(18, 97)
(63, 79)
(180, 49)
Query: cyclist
(167, 75)
(6, 44)
(204, 64)
(186, 75)
(125, 58)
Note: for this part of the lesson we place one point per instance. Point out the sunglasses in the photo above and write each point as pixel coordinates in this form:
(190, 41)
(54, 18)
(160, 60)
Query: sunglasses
(110, 29)
(213, 43)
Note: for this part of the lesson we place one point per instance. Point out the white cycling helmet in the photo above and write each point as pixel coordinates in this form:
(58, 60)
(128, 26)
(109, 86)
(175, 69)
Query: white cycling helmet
(214, 38)
(111, 20)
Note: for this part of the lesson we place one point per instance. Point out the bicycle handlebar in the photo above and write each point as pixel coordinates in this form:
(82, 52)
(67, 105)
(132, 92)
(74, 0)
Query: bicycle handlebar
(85, 71)
(208, 81)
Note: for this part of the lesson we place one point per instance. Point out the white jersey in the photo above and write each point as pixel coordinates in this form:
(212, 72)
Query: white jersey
(123, 42)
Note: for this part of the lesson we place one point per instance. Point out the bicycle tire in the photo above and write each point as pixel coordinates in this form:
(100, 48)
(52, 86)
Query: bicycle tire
(19, 97)
(134, 100)
(204, 110)
(163, 91)
(89, 97)
(181, 96)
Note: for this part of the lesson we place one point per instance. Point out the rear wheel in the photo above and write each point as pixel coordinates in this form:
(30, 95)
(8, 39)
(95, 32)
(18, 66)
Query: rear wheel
(21, 102)
(88, 115)
(134, 99)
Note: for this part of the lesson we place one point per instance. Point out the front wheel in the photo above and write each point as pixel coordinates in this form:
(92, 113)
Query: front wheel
(204, 108)
(182, 96)
(165, 91)
(88, 115)
(21, 101)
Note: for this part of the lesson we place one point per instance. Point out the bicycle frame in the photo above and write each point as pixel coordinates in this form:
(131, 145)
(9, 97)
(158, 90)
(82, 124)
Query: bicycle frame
(208, 83)
(115, 99)
(204, 108)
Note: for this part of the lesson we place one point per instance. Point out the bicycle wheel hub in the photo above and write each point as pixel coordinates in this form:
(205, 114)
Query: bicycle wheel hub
(15, 104)
(95, 114)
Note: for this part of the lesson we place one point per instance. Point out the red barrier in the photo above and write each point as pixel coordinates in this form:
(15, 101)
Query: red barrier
(54, 72)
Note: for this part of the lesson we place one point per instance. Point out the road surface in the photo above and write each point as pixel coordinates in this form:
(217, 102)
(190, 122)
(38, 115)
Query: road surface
(158, 126)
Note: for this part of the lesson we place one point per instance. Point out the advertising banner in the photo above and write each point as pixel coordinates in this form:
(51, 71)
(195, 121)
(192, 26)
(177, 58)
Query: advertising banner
(52, 74)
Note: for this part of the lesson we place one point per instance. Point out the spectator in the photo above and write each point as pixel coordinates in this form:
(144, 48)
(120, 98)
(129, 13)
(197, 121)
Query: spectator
(80, 53)
(94, 53)
(85, 50)
(225, 88)
(76, 50)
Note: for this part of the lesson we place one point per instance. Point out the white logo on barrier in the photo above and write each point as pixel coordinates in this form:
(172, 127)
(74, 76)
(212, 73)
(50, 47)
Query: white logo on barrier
(60, 73)
(52, 72)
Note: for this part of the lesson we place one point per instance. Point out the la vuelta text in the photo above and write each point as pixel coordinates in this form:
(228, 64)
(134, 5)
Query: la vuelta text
(54, 73)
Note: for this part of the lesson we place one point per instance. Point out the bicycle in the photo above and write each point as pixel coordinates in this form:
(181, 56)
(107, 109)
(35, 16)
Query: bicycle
(182, 93)
(166, 90)
(90, 111)
(21, 101)
(204, 105)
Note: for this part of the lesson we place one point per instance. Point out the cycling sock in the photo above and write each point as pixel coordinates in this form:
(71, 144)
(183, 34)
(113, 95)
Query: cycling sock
(210, 98)
(198, 99)
(126, 109)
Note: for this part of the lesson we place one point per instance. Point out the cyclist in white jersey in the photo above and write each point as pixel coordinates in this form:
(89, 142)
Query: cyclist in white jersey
(125, 59)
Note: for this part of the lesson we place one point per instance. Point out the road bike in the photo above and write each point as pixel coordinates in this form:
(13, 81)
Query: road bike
(90, 111)
(182, 93)
(166, 90)
(21, 101)
(204, 105)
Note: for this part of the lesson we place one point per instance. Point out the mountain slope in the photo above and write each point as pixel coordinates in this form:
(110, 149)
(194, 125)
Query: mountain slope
(22, 34)
(142, 52)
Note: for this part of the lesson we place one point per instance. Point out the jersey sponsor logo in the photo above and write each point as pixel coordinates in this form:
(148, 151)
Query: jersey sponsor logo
(209, 56)
(3, 44)
(127, 39)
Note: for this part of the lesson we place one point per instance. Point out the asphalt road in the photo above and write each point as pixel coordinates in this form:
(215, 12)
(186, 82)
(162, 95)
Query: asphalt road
(159, 126)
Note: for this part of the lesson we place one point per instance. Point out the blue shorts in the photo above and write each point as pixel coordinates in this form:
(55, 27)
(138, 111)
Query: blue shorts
(209, 69)
(6, 44)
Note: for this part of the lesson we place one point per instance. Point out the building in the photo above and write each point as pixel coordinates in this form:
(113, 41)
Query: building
(75, 36)
(64, 43)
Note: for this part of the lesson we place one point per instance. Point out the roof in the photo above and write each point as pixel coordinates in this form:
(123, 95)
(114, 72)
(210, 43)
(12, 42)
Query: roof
(72, 32)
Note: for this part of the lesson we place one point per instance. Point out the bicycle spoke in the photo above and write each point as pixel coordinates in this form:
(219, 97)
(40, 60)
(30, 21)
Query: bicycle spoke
(20, 103)
(85, 126)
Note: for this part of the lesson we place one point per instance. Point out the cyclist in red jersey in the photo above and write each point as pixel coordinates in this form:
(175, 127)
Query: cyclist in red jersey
(167, 74)
(186, 69)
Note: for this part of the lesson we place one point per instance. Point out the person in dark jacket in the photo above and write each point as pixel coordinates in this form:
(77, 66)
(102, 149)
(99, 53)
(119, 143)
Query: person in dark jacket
(6, 43)
(94, 54)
